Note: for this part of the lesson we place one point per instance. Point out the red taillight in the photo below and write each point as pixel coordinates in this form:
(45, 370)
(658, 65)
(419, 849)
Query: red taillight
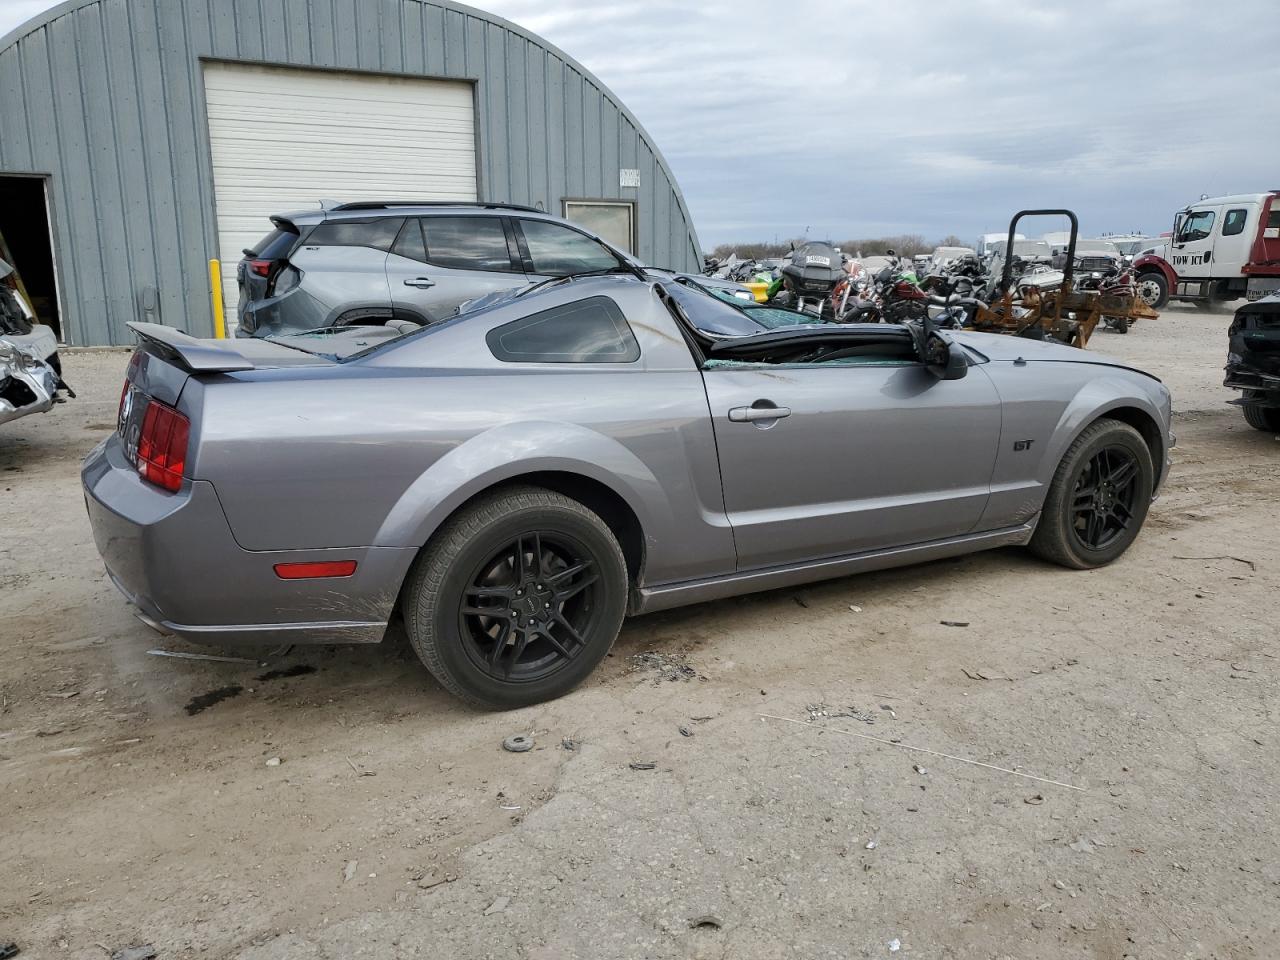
(315, 571)
(162, 446)
(261, 268)
(124, 392)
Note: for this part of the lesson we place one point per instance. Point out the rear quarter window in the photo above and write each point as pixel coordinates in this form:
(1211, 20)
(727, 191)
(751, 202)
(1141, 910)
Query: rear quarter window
(274, 246)
(379, 233)
(589, 331)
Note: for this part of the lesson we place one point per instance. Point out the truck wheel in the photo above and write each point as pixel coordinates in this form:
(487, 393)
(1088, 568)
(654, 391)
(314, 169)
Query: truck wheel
(1153, 289)
(1262, 418)
(1098, 498)
(517, 598)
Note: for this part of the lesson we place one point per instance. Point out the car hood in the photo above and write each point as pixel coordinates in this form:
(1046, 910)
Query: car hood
(1003, 348)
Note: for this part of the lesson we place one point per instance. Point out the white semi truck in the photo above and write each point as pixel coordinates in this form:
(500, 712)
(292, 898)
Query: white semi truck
(1222, 248)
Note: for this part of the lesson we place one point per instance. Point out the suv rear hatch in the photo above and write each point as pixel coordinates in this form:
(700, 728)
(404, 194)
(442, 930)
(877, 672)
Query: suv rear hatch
(1254, 357)
(260, 270)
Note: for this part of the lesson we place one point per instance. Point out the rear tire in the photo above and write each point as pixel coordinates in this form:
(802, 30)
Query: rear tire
(1262, 418)
(1102, 486)
(477, 622)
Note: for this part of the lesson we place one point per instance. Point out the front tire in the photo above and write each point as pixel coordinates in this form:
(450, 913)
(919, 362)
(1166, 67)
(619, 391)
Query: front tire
(1153, 290)
(1098, 498)
(517, 598)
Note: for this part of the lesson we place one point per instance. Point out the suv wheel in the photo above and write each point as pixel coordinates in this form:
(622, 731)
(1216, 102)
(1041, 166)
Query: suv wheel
(1098, 498)
(1260, 417)
(517, 598)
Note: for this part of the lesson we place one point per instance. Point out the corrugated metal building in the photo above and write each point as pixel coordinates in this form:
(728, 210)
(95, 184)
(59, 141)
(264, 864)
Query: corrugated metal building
(141, 138)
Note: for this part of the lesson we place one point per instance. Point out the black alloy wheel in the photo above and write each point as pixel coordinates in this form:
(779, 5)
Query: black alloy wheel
(516, 598)
(1103, 500)
(530, 606)
(1098, 498)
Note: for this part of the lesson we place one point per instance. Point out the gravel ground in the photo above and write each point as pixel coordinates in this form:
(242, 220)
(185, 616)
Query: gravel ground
(140, 800)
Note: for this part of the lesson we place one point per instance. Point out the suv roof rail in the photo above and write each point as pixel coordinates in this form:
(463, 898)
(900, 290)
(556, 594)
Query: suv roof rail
(388, 204)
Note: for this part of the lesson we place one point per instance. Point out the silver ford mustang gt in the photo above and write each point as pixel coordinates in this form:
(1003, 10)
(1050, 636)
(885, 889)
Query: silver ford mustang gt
(518, 479)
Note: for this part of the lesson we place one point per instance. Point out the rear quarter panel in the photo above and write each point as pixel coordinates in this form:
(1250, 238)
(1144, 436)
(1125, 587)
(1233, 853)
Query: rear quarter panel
(380, 451)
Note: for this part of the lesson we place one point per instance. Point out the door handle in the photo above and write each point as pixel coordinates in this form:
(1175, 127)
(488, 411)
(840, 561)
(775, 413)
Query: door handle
(754, 414)
(422, 283)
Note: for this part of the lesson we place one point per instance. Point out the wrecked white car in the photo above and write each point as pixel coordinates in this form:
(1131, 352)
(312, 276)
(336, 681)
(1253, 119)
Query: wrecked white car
(30, 369)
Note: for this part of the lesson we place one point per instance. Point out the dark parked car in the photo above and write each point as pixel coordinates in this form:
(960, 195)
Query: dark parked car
(372, 262)
(1253, 362)
(517, 479)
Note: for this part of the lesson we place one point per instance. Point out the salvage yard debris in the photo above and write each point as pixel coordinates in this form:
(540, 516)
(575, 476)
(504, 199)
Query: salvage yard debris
(182, 655)
(669, 667)
(932, 753)
(517, 743)
(1252, 566)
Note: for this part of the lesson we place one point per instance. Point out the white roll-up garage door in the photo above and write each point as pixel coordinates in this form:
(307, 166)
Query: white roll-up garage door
(283, 140)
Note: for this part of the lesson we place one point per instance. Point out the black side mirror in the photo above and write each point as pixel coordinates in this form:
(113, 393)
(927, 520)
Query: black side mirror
(944, 359)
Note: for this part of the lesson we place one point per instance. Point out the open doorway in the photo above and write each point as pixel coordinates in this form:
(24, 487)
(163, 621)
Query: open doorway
(26, 243)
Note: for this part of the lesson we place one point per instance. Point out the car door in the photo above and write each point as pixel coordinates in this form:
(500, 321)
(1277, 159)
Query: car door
(1192, 243)
(1235, 239)
(828, 460)
(553, 249)
(439, 262)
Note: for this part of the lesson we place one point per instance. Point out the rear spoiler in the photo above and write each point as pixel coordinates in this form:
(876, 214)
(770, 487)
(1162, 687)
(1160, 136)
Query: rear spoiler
(198, 356)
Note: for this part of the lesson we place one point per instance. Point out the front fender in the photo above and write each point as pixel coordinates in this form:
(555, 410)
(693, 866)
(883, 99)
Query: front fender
(1098, 397)
(1036, 434)
(1151, 262)
(517, 449)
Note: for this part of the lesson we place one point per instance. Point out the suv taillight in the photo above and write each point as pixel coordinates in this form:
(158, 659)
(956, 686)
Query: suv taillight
(261, 268)
(162, 446)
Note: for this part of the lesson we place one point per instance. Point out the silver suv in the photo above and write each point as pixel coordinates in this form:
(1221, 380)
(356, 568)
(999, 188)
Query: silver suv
(379, 262)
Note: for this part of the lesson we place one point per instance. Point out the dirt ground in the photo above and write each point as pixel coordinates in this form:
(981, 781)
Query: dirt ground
(140, 800)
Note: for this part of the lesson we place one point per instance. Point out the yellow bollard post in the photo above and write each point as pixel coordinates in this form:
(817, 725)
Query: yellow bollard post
(215, 286)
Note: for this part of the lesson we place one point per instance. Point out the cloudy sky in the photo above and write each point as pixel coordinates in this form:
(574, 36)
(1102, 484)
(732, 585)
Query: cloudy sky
(854, 118)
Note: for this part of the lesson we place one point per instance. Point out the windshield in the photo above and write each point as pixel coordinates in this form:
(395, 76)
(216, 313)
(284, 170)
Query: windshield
(730, 317)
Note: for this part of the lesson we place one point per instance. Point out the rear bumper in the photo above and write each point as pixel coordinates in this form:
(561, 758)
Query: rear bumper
(173, 557)
(1240, 377)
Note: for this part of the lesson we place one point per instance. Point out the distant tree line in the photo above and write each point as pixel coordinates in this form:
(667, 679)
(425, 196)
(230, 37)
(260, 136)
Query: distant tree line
(906, 245)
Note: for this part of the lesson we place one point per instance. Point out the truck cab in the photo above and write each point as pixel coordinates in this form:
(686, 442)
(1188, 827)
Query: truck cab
(1221, 248)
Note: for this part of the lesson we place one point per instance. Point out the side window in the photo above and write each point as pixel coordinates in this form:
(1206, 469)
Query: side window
(589, 331)
(558, 251)
(378, 233)
(467, 243)
(1233, 222)
(410, 243)
(1197, 226)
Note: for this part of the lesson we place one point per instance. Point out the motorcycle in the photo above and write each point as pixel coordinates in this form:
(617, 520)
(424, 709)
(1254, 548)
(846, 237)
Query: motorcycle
(808, 280)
